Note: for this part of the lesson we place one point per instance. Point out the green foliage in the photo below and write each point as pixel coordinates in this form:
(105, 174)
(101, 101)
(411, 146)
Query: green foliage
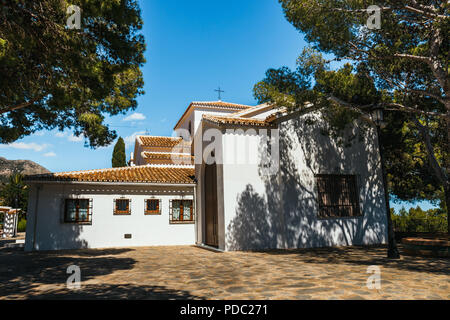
(55, 77)
(403, 66)
(417, 220)
(15, 193)
(312, 83)
(119, 158)
(409, 174)
(22, 225)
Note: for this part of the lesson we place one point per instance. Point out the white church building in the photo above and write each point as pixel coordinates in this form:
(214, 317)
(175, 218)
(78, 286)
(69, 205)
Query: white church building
(235, 177)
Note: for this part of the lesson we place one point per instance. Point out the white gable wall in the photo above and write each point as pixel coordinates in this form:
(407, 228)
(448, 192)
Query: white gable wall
(107, 230)
(195, 116)
(280, 211)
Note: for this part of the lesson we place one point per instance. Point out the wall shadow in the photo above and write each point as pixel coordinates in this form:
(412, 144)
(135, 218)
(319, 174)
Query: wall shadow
(285, 216)
(251, 228)
(52, 232)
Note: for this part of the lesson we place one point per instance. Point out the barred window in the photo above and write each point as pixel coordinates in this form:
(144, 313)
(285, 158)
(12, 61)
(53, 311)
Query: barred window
(338, 196)
(152, 207)
(78, 211)
(181, 211)
(122, 207)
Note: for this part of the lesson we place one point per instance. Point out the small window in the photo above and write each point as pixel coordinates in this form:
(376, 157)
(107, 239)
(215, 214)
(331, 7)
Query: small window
(122, 207)
(152, 207)
(338, 196)
(77, 211)
(182, 211)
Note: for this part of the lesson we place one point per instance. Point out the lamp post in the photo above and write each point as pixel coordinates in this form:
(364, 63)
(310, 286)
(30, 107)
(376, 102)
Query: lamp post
(378, 119)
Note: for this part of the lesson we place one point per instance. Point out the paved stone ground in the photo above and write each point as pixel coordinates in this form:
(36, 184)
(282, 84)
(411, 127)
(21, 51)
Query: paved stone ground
(194, 273)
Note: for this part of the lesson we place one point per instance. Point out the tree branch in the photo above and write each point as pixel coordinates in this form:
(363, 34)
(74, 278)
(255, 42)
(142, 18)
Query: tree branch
(19, 106)
(425, 13)
(422, 10)
(395, 107)
(435, 64)
(427, 93)
(440, 172)
(413, 57)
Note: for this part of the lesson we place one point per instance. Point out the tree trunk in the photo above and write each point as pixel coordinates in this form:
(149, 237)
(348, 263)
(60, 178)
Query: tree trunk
(392, 244)
(447, 168)
(442, 171)
(447, 204)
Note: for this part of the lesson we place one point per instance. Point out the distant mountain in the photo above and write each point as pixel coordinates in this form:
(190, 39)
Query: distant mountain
(26, 167)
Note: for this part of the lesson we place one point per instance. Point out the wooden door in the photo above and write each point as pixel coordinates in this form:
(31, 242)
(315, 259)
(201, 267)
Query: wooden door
(211, 219)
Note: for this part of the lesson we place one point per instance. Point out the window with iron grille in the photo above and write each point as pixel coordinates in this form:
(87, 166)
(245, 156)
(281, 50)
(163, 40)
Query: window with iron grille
(152, 207)
(78, 211)
(122, 207)
(181, 211)
(338, 196)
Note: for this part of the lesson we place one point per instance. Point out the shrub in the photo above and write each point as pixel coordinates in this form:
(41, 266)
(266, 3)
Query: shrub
(21, 225)
(417, 220)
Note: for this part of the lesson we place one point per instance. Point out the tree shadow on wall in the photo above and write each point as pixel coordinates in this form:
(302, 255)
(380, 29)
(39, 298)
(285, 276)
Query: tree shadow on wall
(251, 228)
(286, 215)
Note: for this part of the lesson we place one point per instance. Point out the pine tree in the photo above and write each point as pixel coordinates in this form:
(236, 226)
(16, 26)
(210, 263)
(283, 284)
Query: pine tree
(15, 193)
(119, 158)
(38, 51)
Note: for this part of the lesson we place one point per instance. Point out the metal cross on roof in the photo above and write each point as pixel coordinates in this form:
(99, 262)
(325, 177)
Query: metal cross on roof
(219, 91)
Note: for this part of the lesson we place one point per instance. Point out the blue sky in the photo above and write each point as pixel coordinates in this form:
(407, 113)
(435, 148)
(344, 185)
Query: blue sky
(192, 48)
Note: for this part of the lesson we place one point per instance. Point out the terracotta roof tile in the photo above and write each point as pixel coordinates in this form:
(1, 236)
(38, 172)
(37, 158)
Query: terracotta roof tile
(237, 120)
(141, 174)
(220, 104)
(150, 141)
(213, 105)
(169, 157)
(246, 112)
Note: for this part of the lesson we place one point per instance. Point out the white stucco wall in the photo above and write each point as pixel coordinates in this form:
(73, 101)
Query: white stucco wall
(199, 112)
(280, 211)
(196, 115)
(107, 230)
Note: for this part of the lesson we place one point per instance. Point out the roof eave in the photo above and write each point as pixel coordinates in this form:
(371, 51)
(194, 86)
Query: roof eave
(192, 104)
(153, 184)
(224, 124)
